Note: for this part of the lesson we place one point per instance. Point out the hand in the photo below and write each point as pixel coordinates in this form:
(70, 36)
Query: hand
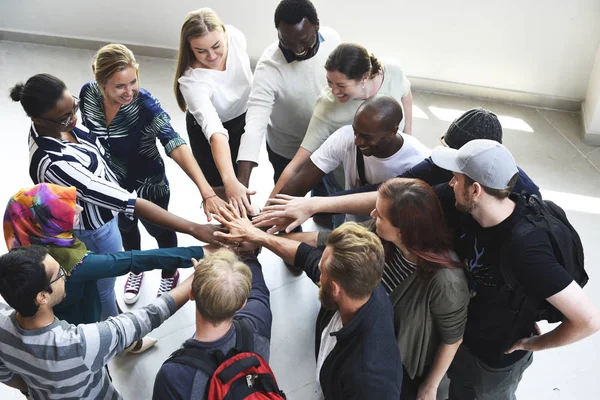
(284, 211)
(427, 392)
(525, 343)
(205, 232)
(239, 226)
(211, 205)
(237, 194)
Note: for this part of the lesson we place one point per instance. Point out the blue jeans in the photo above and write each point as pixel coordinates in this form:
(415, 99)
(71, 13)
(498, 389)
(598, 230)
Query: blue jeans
(104, 240)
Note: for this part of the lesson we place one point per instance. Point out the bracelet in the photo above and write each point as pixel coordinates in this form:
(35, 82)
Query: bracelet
(204, 200)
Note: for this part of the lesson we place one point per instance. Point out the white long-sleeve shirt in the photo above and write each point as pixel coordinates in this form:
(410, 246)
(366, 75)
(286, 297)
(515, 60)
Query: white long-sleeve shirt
(213, 96)
(282, 99)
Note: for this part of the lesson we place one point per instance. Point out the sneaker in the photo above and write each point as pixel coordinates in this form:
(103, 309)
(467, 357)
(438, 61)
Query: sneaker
(132, 287)
(167, 284)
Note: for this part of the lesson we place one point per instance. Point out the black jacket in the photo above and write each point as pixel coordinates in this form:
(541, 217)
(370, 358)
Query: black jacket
(365, 363)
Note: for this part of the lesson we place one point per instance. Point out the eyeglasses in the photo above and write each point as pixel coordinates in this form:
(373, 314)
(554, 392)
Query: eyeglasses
(69, 119)
(443, 141)
(61, 274)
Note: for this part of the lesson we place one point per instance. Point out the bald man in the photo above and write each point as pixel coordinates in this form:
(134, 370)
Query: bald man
(373, 141)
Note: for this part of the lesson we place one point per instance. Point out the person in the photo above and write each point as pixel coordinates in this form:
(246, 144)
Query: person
(355, 348)
(289, 77)
(127, 120)
(45, 215)
(225, 288)
(63, 154)
(45, 357)
(477, 123)
(353, 75)
(498, 348)
(374, 139)
(212, 83)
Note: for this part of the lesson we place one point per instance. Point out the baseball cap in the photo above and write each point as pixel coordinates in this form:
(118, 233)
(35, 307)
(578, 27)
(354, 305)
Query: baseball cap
(485, 161)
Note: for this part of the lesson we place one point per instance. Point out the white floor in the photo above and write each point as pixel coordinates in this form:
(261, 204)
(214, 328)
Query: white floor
(546, 144)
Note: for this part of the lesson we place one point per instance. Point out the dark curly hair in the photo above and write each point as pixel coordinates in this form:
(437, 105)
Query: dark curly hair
(293, 11)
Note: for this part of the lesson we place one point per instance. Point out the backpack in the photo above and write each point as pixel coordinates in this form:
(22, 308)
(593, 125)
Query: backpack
(567, 248)
(240, 374)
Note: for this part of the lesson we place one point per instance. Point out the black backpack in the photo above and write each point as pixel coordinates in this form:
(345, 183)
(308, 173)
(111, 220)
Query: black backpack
(240, 374)
(567, 248)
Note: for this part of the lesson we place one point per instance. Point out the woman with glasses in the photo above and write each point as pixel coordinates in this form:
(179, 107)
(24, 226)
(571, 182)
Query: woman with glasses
(45, 215)
(128, 120)
(63, 154)
(212, 83)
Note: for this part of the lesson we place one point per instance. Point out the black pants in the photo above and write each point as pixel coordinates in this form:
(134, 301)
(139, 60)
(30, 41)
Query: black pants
(278, 162)
(410, 387)
(130, 233)
(203, 152)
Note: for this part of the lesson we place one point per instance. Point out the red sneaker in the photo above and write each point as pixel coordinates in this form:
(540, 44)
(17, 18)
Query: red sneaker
(132, 287)
(167, 284)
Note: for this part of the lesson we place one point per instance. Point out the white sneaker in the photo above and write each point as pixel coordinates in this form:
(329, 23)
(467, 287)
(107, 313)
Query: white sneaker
(132, 287)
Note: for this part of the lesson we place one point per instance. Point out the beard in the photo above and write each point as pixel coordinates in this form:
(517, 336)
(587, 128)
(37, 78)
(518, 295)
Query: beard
(326, 297)
(467, 206)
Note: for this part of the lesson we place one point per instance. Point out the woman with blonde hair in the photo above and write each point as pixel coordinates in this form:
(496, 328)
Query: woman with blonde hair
(127, 120)
(212, 83)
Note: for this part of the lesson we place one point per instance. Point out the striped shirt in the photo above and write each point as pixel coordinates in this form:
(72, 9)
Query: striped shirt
(396, 269)
(81, 165)
(64, 361)
(130, 140)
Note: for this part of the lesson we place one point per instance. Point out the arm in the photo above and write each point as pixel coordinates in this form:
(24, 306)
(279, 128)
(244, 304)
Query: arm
(157, 215)
(309, 238)
(441, 362)
(286, 212)
(184, 158)
(260, 105)
(97, 266)
(407, 102)
(104, 340)
(289, 177)
(582, 319)
(257, 309)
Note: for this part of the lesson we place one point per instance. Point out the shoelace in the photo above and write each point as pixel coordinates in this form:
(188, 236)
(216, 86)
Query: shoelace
(133, 283)
(166, 284)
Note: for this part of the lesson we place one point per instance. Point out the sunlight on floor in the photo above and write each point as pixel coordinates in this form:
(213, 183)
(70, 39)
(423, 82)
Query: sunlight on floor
(417, 112)
(573, 202)
(449, 115)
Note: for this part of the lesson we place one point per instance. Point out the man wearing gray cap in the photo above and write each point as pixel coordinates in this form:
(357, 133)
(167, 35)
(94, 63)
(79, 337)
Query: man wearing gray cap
(496, 348)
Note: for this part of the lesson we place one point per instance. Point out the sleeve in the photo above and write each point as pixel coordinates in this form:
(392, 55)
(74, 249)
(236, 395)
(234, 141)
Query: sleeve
(90, 188)
(83, 103)
(168, 384)
(6, 375)
(104, 340)
(371, 386)
(197, 96)
(159, 125)
(97, 266)
(401, 78)
(260, 104)
(428, 172)
(308, 258)
(449, 304)
(258, 310)
(536, 266)
(321, 126)
(330, 155)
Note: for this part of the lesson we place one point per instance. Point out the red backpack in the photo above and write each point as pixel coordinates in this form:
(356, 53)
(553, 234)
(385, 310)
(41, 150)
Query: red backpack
(240, 374)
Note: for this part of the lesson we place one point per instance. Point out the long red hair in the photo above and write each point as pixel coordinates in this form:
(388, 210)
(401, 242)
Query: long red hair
(415, 210)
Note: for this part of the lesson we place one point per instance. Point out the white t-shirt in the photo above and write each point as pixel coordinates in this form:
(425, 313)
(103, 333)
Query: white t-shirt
(328, 342)
(339, 148)
(283, 98)
(214, 97)
(330, 115)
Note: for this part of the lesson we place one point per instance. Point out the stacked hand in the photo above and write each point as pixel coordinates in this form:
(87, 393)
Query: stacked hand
(239, 226)
(284, 213)
(211, 205)
(238, 196)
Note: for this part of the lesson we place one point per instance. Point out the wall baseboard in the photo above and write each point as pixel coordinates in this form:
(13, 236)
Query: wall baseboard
(589, 137)
(417, 83)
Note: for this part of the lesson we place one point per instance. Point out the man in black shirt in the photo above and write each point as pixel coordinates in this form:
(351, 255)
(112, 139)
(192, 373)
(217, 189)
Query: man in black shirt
(496, 350)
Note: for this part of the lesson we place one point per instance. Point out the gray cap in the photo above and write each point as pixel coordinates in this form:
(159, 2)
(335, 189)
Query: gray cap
(485, 161)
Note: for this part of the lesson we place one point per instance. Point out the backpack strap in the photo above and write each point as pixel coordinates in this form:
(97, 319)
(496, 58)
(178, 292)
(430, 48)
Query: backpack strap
(244, 336)
(196, 358)
(360, 167)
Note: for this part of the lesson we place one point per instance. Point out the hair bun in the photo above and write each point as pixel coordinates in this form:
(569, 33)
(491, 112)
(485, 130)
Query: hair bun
(16, 93)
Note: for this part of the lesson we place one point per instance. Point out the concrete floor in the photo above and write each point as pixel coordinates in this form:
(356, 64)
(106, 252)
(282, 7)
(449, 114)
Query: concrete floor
(546, 144)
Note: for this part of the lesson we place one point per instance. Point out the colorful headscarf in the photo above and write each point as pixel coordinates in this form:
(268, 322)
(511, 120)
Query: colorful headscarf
(43, 215)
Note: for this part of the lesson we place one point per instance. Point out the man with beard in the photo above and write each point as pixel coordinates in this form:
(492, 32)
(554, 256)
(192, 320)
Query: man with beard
(498, 345)
(289, 77)
(356, 351)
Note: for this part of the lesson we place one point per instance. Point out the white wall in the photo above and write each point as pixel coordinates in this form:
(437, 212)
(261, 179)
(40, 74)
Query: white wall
(537, 46)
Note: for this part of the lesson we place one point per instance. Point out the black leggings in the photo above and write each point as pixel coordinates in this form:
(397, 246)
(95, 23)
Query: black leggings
(202, 151)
